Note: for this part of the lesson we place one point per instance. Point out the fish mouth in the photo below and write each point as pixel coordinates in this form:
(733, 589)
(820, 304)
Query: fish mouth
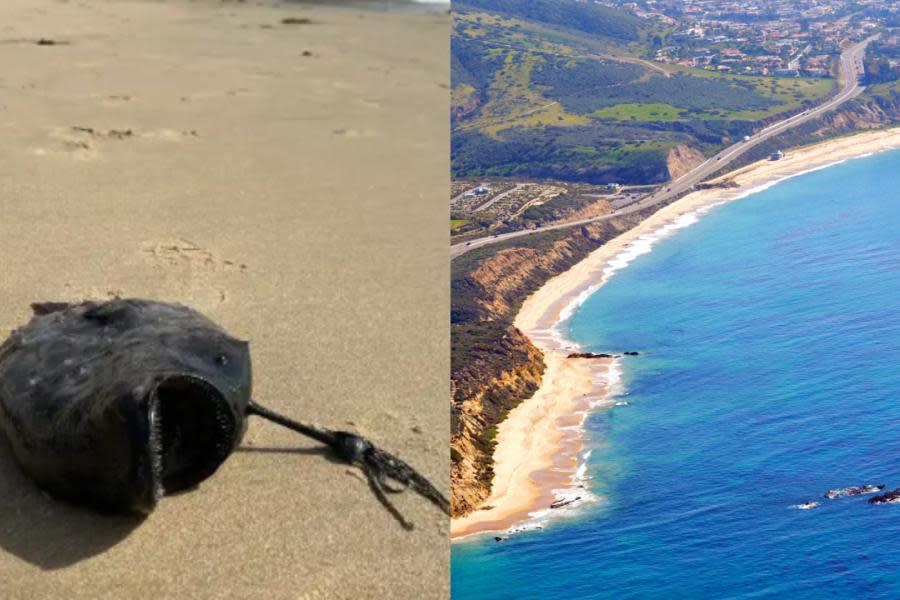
(192, 431)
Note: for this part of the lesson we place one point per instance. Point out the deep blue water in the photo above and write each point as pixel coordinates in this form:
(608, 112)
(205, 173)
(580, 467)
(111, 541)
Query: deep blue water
(769, 372)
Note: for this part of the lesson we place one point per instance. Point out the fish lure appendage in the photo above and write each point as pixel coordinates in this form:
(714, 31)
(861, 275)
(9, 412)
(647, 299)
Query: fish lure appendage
(380, 467)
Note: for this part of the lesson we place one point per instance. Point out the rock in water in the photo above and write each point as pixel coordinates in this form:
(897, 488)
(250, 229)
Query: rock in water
(853, 491)
(892, 497)
(115, 404)
(564, 502)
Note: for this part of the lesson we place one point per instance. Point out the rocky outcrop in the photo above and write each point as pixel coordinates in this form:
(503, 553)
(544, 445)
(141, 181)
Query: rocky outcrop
(682, 159)
(859, 114)
(853, 491)
(588, 211)
(465, 100)
(494, 366)
(892, 497)
(564, 502)
(720, 183)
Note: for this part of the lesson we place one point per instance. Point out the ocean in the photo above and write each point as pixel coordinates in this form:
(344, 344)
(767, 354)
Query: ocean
(769, 337)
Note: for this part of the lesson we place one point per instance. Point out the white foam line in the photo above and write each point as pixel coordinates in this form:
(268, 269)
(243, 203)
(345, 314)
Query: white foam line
(612, 380)
(644, 243)
(582, 470)
(609, 377)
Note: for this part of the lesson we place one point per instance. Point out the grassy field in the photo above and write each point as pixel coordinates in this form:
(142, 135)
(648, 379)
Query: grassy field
(654, 112)
(790, 92)
(457, 223)
(461, 94)
(887, 91)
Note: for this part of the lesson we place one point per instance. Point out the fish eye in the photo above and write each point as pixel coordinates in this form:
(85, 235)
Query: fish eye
(221, 360)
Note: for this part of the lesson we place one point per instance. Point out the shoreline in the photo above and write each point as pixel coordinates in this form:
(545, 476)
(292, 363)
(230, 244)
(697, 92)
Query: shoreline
(535, 458)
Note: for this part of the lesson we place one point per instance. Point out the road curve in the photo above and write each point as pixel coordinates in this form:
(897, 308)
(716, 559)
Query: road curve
(850, 71)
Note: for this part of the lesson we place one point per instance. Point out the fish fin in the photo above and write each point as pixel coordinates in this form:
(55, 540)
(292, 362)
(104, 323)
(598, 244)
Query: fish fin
(46, 308)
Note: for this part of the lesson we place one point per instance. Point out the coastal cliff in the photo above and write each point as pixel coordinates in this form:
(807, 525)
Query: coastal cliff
(867, 112)
(494, 366)
(681, 159)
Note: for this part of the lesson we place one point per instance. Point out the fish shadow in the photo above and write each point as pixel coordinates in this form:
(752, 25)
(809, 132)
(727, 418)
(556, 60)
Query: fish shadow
(52, 534)
(49, 533)
(323, 452)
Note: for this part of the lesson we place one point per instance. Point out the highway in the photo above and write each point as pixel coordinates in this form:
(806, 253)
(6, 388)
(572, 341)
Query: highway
(850, 72)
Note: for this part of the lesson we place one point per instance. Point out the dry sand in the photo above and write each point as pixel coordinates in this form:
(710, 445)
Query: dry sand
(191, 152)
(530, 441)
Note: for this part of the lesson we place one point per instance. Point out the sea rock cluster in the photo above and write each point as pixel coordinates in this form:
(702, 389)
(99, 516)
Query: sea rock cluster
(589, 355)
(856, 490)
(853, 491)
(892, 497)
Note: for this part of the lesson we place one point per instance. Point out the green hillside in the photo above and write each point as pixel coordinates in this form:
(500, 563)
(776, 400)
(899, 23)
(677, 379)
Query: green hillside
(557, 88)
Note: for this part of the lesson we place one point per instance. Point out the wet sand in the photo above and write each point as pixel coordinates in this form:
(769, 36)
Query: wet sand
(530, 441)
(289, 181)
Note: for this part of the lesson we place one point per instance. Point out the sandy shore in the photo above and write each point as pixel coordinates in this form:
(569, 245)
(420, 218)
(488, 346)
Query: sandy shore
(534, 456)
(290, 181)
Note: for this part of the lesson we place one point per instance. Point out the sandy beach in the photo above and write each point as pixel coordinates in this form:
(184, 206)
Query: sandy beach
(289, 181)
(534, 456)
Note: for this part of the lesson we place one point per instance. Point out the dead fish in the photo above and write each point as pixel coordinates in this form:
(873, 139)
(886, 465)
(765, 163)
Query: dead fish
(115, 404)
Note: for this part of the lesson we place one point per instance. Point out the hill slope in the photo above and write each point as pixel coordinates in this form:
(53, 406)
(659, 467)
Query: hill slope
(534, 97)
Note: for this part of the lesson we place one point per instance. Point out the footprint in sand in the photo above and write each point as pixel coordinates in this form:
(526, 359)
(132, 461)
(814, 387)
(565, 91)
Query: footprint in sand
(368, 104)
(357, 133)
(183, 252)
(85, 143)
(113, 100)
(191, 271)
(202, 95)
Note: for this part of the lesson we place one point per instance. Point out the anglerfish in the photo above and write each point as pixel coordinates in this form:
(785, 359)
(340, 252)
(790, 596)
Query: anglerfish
(113, 405)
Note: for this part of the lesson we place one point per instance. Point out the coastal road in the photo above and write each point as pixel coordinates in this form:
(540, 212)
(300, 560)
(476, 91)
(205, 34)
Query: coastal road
(850, 72)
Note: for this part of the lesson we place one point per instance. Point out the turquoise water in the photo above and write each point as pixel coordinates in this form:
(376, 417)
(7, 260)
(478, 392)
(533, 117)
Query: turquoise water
(769, 334)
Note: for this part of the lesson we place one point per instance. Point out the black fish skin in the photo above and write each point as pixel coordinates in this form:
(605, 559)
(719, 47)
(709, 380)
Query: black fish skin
(102, 403)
